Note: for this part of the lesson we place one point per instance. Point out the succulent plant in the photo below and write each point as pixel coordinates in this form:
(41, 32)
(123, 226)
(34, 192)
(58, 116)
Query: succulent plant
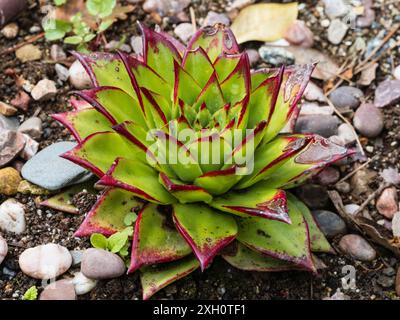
(223, 193)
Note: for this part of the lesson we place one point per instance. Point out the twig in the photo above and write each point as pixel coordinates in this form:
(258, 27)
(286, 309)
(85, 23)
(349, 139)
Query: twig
(193, 18)
(370, 198)
(348, 123)
(347, 176)
(21, 44)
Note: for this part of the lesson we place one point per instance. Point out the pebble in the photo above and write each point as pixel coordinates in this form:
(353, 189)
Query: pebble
(76, 257)
(57, 53)
(62, 72)
(314, 93)
(336, 8)
(338, 296)
(137, 44)
(100, 264)
(328, 176)
(391, 175)
(114, 45)
(28, 52)
(253, 55)
(343, 187)
(398, 282)
(9, 181)
(312, 108)
(351, 208)
(329, 223)
(32, 127)
(360, 180)
(276, 56)
(78, 76)
(387, 93)
(368, 120)
(313, 195)
(83, 284)
(324, 125)
(345, 132)
(385, 281)
(21, 101)
(3, 249)
(46, 261)
(25, 187)
(7, 110)
(48, 170)
(184, 31)
(396, 225)
(337, 31)
(387, 203)
(59, 290)
(367, 18)
(213, 18)
(45, 89)
(396, 73)
(346, 97)
(11, 143)
(165, 7)
(12, 216)
(357, 247)
(299, 34)
(8, 123)
(10, 31)
(30, 149)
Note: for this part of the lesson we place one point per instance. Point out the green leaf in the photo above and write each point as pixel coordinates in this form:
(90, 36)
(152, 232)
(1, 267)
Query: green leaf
(154, 278)
(206, 230)
(56, 29)
(98, 241)
(118, 240)
(155, 238)
(31, 293)
(73, 40)
(89, 37)
(60, 2)
(130, 218)
(100, 8)
(196, 60)
(104, 25)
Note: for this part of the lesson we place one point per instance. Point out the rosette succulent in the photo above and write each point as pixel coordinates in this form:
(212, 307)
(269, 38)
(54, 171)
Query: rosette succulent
(201, 147)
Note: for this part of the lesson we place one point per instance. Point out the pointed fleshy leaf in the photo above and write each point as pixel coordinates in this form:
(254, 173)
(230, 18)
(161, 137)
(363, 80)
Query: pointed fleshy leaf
(198, 65)
(318, 241)
(114, 104)
(108, 214)
(246, 259)
(279, 240)
(318, 153)
(155, 116)
(138, 178)
(259, 76)
(220, 181)
(156, 277)
(214, 40)
(185, 193)
(83, 123)
(176, 43)
(99, 150)
(206, 230)
(255, 201)
(225, 64)
(185, 87)
(155, 239)
(79, 105)
(269, 157)
(294, 82)
(159, 53)
(211, 96)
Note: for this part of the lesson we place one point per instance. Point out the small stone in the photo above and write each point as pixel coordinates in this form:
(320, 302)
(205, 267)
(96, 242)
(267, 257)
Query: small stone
(299, 34)
(11, 143)
(78, 76)
(59, 290)
(165, 7)
(328, 176)
(336, 8)
(367, 19)
(34, 29)
(184, 31)
(45, 89)
(324, 125)
(253, 55)
(46, 261)
(356, 247)
(396, 72)
(25, 187)
(345, 132)
(314, 93)
(100, 264)
(351, 208)
(276, 56)
(62, 72)
(389, 271)
(396, 225)
(346, 97)
(7, 110)
(83, 284)
(337, 31)
(385, 281)
(387, 93)
(312, 108)
(114, 45)
(21, 101)
(9, 181)
(213, 18)
(343, 187)
(57, 53)
(137, 44)
(329, 223)
(368, 120)
(10, 31)
(387, 203)
(28, 52)
(391, 175)
(8, 123)
(12, 216)
(338, 296)
(368, 75)
(32, 127)
(30, 149)
(76, 257)
(313, 195)
(3, 249)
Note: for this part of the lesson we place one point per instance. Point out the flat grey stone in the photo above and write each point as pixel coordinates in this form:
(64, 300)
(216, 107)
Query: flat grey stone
(48, 170)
